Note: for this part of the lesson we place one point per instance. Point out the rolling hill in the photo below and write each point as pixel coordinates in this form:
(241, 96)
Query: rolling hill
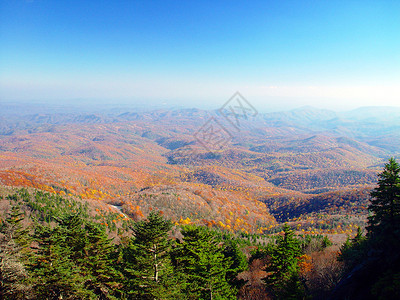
(293, 163)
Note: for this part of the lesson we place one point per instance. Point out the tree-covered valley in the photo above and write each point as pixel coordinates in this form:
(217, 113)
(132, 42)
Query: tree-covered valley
(199, 150)
(135, 205)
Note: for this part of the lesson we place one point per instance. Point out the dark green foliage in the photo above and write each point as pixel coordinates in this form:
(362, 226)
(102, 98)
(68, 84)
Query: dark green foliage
(373, 262)
(96, 259)
(13, 226)
(353, 251)
(313, 243)
(67, 255)
(238, 263)
(55, 274)
(388, 285)
(146, 262)
(326, 242)
(91, 250)
(205, 268)
(46, 206)
(73, 260)
(385, 204)
(283, 269)
(384, 231)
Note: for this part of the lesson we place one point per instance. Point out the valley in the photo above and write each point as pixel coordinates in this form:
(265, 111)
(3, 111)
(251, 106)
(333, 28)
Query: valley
(313, 168)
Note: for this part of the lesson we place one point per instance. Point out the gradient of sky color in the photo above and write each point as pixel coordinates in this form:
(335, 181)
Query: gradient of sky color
(288, 53)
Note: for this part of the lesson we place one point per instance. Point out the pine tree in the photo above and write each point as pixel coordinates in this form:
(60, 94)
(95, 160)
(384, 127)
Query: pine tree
(146, 260)
(238, 263)
(73, 260)
(201, 261)
(97, 260)
(13, 225)
(384, 232)
(14, 251)
(374, 261)
(352, 251)
(283, 269)
(56, 275)
(91, 251)
(385, 204)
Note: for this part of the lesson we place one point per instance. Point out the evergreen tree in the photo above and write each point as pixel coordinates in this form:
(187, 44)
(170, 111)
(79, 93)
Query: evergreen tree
(56, 275)
(201, 261)
(374, 262)
(73, 261)
(97, 260)
(283, 269)
(352, 251)
(14, 250)
(13, 225)
(238, 263)
(146, 260)
(385, 204)
(384, 232)
(91, 251)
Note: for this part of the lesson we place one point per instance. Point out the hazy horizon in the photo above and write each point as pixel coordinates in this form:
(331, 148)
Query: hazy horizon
(28, 107)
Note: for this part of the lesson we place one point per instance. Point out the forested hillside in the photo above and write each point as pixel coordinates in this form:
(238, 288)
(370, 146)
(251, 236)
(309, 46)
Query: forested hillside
(52, 247)
(145, 160)
(135, 205)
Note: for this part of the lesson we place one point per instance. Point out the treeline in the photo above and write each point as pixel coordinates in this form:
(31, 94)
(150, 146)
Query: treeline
(350, 201)
(75, 259)
(70, 256)
(57, 251)
(373, 260)
(312, 180)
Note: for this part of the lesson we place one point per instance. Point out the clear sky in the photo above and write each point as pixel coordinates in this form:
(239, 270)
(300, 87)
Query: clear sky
(276, 53)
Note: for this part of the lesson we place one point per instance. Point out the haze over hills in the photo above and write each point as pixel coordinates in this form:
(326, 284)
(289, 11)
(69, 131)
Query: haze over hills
(120, 126)
(270, 165)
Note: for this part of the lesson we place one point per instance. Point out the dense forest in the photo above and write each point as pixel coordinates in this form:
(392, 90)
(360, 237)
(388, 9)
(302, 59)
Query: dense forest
(290, 167)
(51, 247)
(199, 150)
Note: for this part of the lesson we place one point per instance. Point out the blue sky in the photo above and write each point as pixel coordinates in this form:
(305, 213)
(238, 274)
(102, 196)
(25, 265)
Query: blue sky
(276, 53)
